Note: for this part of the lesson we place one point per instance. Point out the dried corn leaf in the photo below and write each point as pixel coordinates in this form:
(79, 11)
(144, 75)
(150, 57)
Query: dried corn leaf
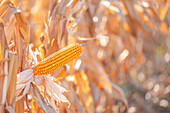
(4, 6)
(61, 74)
(22, 23)
(3, 41)
(55, 90)
(13, 68)
(40, 100)
(75, 104)
(23, 83)
(9, 109)
(10, 29)
(84, 91)
(163, 11)
(53, 48)
(101, 79)
(19, 105)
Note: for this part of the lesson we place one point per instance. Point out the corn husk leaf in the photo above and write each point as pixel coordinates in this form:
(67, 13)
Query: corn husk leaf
(40, 100)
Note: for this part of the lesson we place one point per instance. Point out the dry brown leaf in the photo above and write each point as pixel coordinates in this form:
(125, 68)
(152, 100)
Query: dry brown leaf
(163, 11)
(21, 22)
(9, 29)
(75, 104)
(55, 90)
(53, 48)
(164, 28)
(13, 68)
(3, 7)
(42, 51)
(19, 105)
(102, 80)
(3, 43)
(40, 100)
(61, 74)
(84, 91)
(5, 81)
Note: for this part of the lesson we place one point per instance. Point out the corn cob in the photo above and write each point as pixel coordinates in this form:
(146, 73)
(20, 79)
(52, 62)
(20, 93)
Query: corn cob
(58, 59)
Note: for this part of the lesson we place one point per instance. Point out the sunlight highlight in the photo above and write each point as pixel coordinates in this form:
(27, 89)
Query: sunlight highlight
(123, 55)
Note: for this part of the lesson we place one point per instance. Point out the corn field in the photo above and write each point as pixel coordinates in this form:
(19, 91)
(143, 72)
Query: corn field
(84, 56)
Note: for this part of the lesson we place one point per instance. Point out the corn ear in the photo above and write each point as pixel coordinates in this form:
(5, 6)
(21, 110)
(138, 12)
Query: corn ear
(58, 59)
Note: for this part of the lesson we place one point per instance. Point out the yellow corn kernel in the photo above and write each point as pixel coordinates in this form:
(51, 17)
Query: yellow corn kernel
(58, 59)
